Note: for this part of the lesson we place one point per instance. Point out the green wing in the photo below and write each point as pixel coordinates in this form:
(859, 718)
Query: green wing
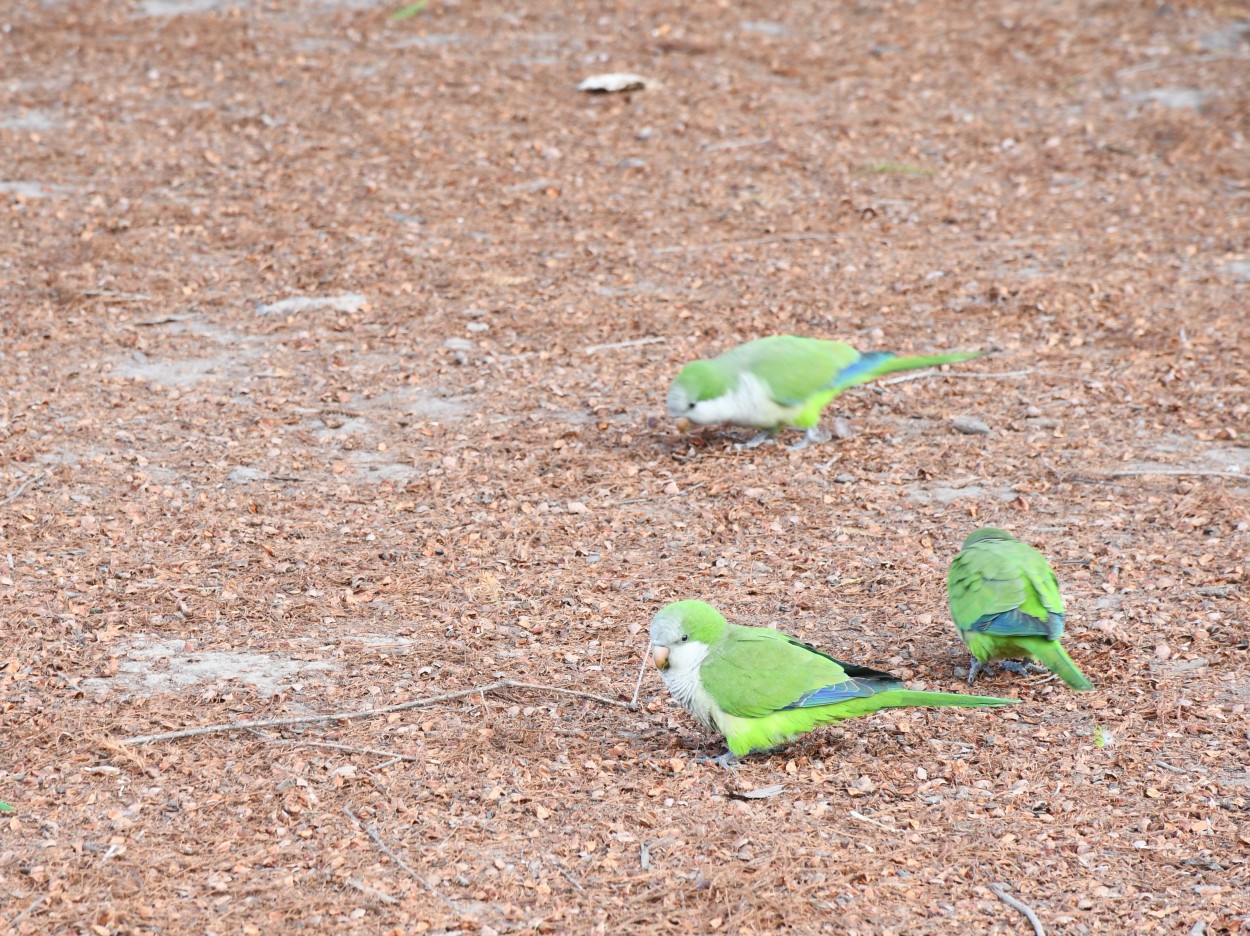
(996, 578)
(794, 368)
(756, 671)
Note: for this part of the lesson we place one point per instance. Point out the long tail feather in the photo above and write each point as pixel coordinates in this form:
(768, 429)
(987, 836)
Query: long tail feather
(898, 698)
(904, 698)
(1056, 659)
(875, 363)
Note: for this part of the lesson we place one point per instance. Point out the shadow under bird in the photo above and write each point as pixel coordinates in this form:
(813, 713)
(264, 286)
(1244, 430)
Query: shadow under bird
(1005, 600)
(783, 381)
(761, 688)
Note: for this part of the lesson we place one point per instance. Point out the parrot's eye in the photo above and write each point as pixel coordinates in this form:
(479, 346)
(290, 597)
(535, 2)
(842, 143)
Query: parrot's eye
(693, 404)
(685, 637)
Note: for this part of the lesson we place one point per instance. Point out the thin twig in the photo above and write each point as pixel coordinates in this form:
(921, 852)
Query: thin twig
(1178, 473)
(568, 875)
(751, 242)
(21, 488)
(377, 840)
(1155, 66)
(112, 295)
(1001, 893)
(368, 713)
(638, 685)
(371, 891)
(1180, 770)
(377, 752)
(876, 822)
(736, 144)
(933, 372)
(635, 343)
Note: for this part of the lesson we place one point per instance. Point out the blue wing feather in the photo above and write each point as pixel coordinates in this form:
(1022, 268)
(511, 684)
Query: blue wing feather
(1016, 623)
(848, 689)
(866, 364)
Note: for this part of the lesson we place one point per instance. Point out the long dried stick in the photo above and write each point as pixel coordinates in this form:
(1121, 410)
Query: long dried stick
(368, 713)
(638, 685)
(1178, 473)
(1001, 893)
(386, 849)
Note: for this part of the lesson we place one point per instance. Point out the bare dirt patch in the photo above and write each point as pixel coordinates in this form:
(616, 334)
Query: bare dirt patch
(332, 359)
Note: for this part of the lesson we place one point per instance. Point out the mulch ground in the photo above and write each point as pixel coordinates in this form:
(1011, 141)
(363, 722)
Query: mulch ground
(216, 507)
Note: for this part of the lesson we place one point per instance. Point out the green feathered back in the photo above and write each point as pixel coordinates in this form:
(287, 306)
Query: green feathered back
(755, 671)
(796, 368)
(996, 574)
(1005, 601)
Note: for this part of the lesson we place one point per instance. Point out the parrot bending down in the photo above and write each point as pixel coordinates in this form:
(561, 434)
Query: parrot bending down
(1005, 600)
(760, 688)
(782, 381)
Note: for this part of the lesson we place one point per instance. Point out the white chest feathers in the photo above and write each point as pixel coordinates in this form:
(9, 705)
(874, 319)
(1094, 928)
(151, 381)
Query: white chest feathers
(682, 679)
(749, 403)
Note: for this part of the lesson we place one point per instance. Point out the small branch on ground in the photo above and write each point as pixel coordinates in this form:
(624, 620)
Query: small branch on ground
(1000, 891)
(21, 488)
(749, 242)
(638, 685)
(371, 891)
(376, 752)
(386, 850)
(876, 822)
(370, 713)
(636, 343)
(1179, 473)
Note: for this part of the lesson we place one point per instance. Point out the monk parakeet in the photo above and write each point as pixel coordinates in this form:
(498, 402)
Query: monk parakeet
(782, 381)
(760, 688)
(1005, 601)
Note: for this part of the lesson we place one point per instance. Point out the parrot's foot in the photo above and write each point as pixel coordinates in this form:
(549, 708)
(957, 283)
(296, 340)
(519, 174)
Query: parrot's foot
(813, 436)
(1021, 669)
(727, 760)
(754, 442)
(975, 668)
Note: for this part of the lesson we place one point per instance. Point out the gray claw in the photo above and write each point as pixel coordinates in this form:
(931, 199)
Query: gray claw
(1021, 669)
(754, 442)
(727, 761)
(813, 436)
(974, 669)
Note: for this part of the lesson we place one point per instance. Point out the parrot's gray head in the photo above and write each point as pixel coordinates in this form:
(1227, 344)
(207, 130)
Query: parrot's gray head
(695, 390)
(684, 622)
(678, 402)
(666, 628)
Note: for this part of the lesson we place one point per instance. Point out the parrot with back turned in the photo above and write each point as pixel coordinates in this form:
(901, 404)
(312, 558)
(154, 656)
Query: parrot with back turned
(1005, 600)
(761, 688)
(781, 381)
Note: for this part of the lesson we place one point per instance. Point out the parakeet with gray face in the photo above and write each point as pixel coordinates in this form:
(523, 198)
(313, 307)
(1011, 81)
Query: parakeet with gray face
(1005, 600)
(761, 688)
(779, 382)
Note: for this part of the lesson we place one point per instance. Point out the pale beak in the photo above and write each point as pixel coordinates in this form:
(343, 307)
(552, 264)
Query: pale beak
(660, 656)
(683, 424)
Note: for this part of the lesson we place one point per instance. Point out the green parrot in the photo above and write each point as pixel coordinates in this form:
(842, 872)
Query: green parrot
(761, 688)
(782, 381)
(1005, 600)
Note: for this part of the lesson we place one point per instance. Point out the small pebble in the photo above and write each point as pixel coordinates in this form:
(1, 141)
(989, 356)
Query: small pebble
(1163, 651)
(970, 425)
(844, 478)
